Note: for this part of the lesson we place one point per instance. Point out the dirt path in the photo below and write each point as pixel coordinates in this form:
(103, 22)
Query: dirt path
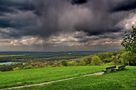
(50, 82)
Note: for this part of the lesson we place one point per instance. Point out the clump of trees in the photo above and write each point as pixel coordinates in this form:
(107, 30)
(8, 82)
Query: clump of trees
(129, 42)
(96, 60)
(11, 67)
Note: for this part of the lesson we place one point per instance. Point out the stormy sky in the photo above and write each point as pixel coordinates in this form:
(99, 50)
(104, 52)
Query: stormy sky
(59, 25)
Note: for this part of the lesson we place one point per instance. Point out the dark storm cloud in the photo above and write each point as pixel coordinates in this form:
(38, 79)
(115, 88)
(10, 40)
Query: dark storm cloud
(125, 5)
(11, 5)
(78, 1)
(5, 9)
(44, 18)
(4, 23)
(92, 18)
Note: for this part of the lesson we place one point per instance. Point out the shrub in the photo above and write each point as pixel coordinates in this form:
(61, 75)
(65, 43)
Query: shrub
(107, 60)
(86, 60)
(64, 63)
(82, 62)
(16, 68)
(6, 68)
(96, 60)
(72, 63)
(128, 58)
(28, 67)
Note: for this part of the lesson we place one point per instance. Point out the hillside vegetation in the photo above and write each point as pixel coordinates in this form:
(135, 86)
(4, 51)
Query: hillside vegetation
(107, 58)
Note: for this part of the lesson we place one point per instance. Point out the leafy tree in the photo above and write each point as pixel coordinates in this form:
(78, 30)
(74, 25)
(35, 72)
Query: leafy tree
(82, 62)
(71, 63)
(129, 41)
(86, 60)
(124, 58)
(64, 63)
(96, 60)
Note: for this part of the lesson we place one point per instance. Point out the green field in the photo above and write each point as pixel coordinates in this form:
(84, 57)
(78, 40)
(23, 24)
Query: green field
(122, 80)
(23, 77)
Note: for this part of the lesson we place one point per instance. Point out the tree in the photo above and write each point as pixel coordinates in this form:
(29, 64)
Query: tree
(64, 63)
(86, 60)
(129, 41)
(96, 60)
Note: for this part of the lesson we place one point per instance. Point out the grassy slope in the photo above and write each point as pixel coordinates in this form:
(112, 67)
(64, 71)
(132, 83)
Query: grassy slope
(123, 80)
(14, 78)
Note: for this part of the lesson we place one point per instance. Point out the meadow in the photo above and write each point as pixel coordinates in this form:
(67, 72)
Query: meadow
(29, 76)
(122, 80)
